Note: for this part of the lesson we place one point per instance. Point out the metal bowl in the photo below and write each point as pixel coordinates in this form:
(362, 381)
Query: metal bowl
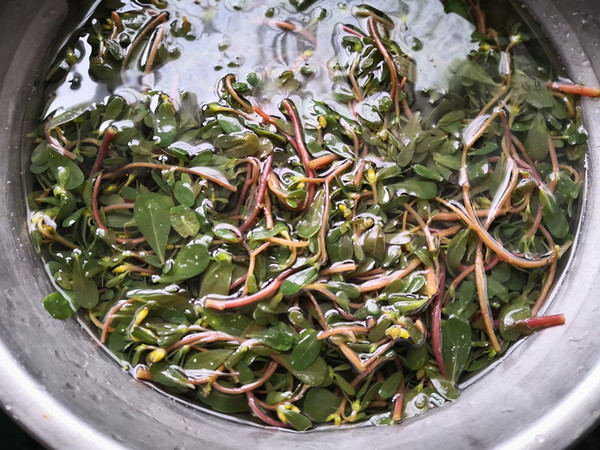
(58, 383)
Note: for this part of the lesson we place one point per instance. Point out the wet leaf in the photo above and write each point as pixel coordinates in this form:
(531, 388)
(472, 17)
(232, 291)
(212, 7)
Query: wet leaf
(536, 141)
(425, 190)
(320, 403)
(184, 221)
(209, 360)
(294, 283)
(84, 288)
(189, 262)
(310, 224)
(152, 216)
(58, 306)
(390, 386)
(168, 375)
(306, 351)
(553, 216)
(217, 278)
(165, 124)
(313, 375)
(456, 346)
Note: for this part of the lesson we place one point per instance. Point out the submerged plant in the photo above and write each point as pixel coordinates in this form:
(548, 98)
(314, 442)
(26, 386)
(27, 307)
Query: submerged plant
(309, 260)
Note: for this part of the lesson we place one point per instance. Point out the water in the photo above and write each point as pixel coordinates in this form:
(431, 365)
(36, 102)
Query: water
(247, 39)
(270, 46)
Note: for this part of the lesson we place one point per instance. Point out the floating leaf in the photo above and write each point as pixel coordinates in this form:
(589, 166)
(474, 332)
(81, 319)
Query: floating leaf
(168, 375)
(313, 375)
(184, 221)
(294, 283)
(310, 224)
(189, 262)
(165, 124)
(320, 403)
(553, 216)
(456, 346)
(152, 216)
(84, 288)
(58, 306)
(307, 351)
(536, 141)
(425, 190)
(209, 360)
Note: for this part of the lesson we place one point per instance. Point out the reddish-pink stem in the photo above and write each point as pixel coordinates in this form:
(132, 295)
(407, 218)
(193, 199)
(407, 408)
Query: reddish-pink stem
(302, 151)
(544, 322)
(103, 150)
(261, 414)
(436, 319)
(249, 299)
(262, 187)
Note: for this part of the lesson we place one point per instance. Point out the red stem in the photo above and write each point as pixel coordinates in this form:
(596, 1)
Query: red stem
(262, 187)
(544, 322)
(249, 299)
(347, 29)
(436, 319)
(302, 151)
(576, 89)
(261, 414)
(103, 150)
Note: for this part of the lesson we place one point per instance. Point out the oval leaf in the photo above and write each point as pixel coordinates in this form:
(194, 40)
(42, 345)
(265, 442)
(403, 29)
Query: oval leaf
(190, 262)
(152, 216)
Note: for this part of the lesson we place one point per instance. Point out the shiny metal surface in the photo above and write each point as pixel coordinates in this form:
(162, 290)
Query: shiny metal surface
(58, 383)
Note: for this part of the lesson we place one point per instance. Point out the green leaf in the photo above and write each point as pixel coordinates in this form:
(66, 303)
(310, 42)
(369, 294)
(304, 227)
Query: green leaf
(189, 262)
(344, 384)
(390, 386)
(456, 251)
(313, 375)
(225, 403)
(425, 190)
(307, 351)
(84, 288)
(474, 72)
(310, 224)
(184, 221)
(445, 388)
(58, 306)
(276, 338)
(320, 403)
(165, 124)
(553, 216)
(426, 172)
(153, 218)
(456, 345)
(294, 283)
(167, 375)
(509, 317)
(67, 116)
(229, 323)
(114, 108)
(184, 194)
(209, 360)
(217, 279)
(295, 419)
(536, 141)
(67, 174)
(229, 124)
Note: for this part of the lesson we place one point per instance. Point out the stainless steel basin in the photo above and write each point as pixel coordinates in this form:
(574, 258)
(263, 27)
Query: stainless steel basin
(58, 383)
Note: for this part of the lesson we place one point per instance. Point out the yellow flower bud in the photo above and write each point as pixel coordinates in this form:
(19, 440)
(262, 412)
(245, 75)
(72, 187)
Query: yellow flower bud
(322, 121)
